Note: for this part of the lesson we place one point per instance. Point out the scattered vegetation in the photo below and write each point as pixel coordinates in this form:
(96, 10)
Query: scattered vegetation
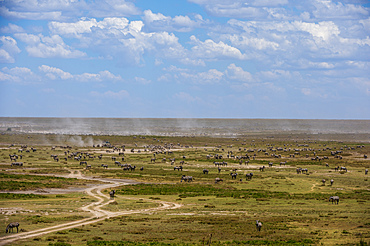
(293, 207)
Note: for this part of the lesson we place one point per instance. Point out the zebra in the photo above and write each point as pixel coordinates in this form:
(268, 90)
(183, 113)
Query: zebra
(178, 168)
(112, 193)
(17, 164)
(205, 171)
(233, 175)
(11, 226)
(343, 169)
(218, 180)
(258, 225)
(334, 199)
(323, 181)
(249, 176)
(331, 182)
(186, 178)
(132, 168)
(283, 163)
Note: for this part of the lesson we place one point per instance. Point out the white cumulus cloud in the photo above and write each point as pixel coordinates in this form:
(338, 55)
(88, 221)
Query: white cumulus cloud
(19, 75)
(212, 76)
(55, 73)
(48, 46)
(180, 23)
(237, 73)
(210, 49)
(8, 49)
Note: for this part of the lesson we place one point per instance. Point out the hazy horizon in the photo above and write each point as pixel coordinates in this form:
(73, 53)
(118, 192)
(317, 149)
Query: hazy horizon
(180, 127)
(219, 118)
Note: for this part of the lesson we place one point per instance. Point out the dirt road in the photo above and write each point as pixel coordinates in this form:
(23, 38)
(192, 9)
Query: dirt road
(96, 208)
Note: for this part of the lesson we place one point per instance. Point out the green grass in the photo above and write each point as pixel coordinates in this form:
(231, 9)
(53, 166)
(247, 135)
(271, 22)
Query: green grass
(13, 182)
(294, 208)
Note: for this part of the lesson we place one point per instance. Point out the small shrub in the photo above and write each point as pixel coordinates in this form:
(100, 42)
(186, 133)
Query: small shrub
(59, 244)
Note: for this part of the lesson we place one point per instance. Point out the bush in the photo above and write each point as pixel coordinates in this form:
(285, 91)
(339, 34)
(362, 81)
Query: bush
(59, 244)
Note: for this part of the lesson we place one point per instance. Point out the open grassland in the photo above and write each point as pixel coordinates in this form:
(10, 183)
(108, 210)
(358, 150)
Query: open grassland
(48, 189)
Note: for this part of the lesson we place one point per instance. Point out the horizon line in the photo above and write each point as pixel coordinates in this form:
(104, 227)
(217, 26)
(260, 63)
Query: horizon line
(200, 118)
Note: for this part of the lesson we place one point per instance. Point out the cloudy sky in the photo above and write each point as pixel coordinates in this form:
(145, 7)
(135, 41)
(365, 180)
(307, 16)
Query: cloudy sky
(185, 58)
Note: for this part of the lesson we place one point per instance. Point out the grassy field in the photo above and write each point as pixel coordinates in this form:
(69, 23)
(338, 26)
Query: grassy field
(293, 207)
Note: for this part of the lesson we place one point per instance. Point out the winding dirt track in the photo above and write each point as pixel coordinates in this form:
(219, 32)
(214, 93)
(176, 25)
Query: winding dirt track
(95, 208)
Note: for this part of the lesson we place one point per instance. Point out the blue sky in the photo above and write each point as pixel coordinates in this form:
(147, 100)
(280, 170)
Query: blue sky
(185, 58)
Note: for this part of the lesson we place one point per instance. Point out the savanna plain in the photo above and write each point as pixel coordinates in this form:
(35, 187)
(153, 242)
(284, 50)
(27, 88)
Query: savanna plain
(191, 190)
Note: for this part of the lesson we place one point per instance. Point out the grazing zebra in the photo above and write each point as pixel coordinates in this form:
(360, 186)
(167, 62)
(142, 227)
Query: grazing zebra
(258, 225)
(205, 171)
(178, 168)
(283, 163)
(11, 226)
(132, 168)
(233, 175)
(17, 163)
(218, 180)
(249, 176)
(343, 169)
(111, 194)
(186, 178)
(334, 199)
